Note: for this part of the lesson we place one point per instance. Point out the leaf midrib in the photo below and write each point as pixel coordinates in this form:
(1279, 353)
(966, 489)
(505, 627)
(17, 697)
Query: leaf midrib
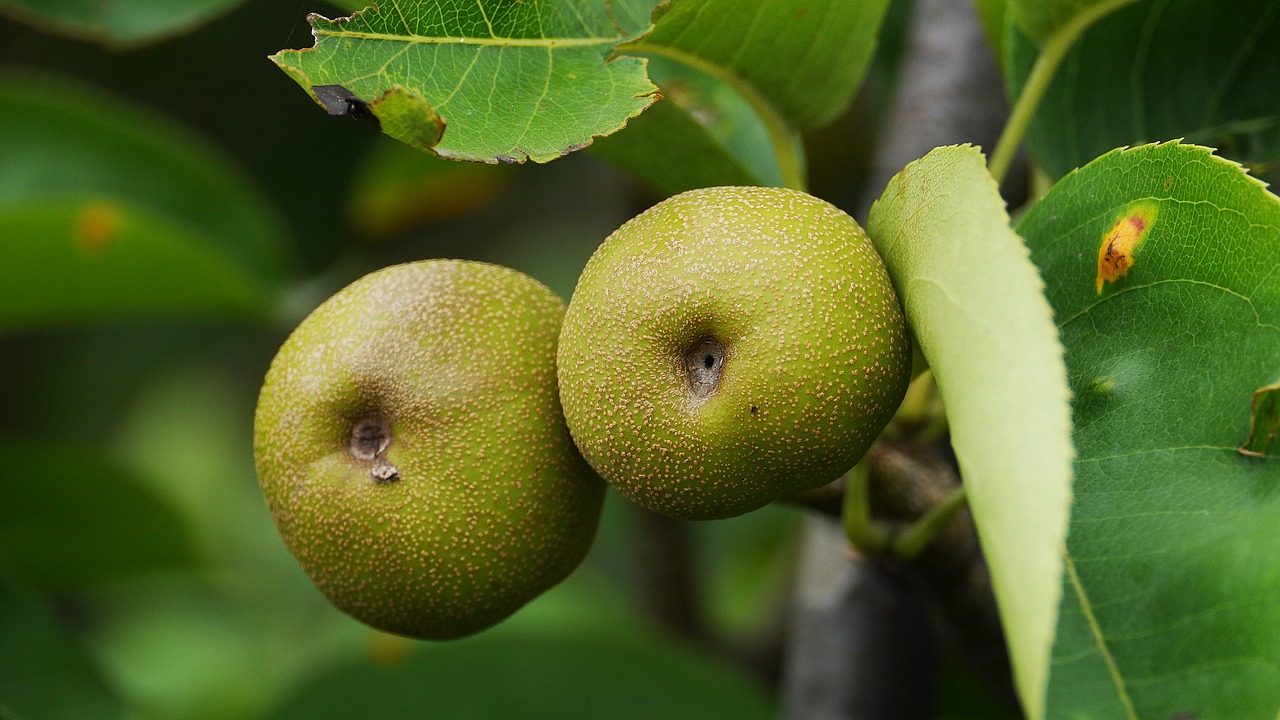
(542, 43)
(1086, 608)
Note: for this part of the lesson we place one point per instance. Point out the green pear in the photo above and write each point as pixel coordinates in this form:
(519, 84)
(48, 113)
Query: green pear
(410, 445)
(730, 346)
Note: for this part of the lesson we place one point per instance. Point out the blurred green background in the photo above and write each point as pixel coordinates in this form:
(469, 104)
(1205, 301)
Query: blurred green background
(140, 575)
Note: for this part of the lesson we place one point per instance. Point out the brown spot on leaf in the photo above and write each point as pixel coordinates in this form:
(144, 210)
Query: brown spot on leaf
(1120, 243)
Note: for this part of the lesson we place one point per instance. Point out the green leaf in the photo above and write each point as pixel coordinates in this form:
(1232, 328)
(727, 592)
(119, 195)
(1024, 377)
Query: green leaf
(117, 23)
(1040, 19)
(396, 189)
(513, 81)
(701, 134)
(618, 675)
(801, 58)
(992, 13)
(70, 516)
(1155, 71)
(62, 141)
(747, 563)
(73, 261)
(1170, 603)
(44, 674)
(178, 649)
(795, 63)
(975, 306)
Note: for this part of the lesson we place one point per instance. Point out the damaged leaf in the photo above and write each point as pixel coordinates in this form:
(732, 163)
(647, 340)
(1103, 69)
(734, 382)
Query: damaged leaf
(488, 82)
(1119, 247)
(1169, 606)
(1264, 422)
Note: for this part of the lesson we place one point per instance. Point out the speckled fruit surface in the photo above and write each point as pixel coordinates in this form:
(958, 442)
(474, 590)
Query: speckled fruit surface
(730, 346)
(410, 445)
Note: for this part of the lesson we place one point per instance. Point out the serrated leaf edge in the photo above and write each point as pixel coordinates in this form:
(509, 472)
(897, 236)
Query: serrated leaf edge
(1037, 685)
(301, 77)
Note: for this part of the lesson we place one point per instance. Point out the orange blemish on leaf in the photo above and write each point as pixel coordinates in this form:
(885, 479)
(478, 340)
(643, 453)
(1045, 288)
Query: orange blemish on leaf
(1120, 243)
(96, 226)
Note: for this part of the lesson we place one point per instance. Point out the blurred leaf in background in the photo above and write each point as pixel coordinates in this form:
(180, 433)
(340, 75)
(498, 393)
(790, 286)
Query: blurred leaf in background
(1154, 71)
(44, 674)
(117, 23)
(397, 189)
(107, 210)
(69, 516)
(701, 134)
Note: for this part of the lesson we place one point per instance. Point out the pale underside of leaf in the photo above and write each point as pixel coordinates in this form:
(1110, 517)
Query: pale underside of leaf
(975, 305)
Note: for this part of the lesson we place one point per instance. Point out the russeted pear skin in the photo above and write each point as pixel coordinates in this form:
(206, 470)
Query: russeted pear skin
(410, 445)
(730, 346)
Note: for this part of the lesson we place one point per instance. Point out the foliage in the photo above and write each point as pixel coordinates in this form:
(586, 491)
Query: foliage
(1107, 361)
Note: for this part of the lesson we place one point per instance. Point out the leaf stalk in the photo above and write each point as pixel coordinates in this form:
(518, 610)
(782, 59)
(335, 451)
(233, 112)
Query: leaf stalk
(861, 531)
(917, 537)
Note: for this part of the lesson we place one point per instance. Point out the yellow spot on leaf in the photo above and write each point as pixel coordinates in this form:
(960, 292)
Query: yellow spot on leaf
(1120, 244)
(96, 226)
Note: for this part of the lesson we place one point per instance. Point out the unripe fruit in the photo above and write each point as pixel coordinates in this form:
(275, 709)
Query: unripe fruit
(411, 448)
(730, 346)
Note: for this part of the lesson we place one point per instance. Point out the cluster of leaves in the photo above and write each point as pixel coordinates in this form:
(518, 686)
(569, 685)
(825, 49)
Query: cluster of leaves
(1108, 362)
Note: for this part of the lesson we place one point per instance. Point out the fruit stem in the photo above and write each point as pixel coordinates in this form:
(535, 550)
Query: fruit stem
(917, 537)
(862, 532)
(1052, 52)
(921, 415)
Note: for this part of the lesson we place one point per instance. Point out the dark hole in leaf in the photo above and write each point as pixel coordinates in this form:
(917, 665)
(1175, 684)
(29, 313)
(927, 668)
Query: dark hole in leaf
(337, 100)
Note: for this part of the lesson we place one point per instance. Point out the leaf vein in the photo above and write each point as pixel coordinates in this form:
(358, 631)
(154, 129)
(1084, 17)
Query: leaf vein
(1099, 640)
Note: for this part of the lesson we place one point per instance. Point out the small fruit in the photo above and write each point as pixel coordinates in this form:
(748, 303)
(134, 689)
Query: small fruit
(730, 346)
(410, 445)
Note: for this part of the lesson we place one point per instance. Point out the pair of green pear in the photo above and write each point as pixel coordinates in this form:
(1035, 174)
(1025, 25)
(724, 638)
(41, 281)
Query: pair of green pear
(420, 438)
